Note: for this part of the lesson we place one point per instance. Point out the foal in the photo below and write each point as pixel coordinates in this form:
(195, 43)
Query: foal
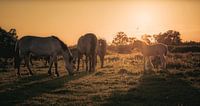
(158, 49)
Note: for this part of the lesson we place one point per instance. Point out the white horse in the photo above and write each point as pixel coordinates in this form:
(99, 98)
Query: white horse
(158, 49)
(43, 46)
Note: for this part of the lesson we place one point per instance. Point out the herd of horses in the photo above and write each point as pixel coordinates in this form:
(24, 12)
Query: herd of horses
(88, 46)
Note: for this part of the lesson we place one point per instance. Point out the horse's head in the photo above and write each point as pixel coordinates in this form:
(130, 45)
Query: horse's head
(74, 54)
(67, 55)
(69, 62)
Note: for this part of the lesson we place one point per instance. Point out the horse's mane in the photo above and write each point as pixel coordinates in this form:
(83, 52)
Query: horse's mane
(64, 47)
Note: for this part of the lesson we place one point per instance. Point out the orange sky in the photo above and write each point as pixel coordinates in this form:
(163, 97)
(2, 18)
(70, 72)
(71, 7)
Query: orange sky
(69, 19)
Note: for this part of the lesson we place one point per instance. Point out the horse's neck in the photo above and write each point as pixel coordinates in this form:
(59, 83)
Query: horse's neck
(65, 56)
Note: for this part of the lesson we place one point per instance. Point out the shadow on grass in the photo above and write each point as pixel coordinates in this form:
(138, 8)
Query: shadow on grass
(29, 87)
(154, 90)
(3, 70)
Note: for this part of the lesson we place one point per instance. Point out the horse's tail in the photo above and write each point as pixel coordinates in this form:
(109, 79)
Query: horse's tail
(17, 58)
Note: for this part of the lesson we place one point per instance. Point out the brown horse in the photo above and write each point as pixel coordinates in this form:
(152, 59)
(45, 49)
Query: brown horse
(87, 45)
(158, 49)
(101, 51)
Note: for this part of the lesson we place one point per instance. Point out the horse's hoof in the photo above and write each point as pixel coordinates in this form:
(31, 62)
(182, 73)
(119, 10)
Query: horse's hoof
(49, 73)
(56, 75)
(18, 75)
(30, 75)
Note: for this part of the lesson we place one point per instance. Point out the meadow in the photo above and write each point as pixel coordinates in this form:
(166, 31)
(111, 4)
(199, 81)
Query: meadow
(122, 81)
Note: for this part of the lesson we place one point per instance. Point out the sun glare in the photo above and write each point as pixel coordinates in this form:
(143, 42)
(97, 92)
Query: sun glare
(144, 18)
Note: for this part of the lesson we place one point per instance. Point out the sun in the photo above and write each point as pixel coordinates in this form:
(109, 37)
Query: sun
(144, 19)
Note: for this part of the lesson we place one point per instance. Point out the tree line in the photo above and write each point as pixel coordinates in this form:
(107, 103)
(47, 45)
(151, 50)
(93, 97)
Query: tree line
(121, 42)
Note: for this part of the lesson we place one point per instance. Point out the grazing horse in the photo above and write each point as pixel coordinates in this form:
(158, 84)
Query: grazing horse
(43, 46)
(87, 45)
(158, 49)
(101, 51)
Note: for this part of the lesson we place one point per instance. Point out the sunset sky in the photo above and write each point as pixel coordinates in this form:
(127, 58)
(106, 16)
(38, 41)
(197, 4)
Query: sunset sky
(69, 19)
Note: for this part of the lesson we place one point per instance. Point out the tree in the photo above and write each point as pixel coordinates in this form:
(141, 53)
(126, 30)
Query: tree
(8, 39)
(120, 39)
(131, 40)
(7, 44)
(170, 37)
(147, 38)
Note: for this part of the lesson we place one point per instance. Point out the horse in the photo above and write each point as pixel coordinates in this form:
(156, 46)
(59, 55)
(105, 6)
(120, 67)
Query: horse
(50, 46)
(147, 51)
(87, 45)
(101, 51)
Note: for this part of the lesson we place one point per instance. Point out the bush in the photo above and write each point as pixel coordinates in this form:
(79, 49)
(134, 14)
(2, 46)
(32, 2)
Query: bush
(184, 49)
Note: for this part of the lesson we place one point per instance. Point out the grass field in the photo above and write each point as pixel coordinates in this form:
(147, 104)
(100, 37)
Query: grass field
(121, 82)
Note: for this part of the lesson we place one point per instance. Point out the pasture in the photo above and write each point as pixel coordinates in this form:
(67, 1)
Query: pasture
(121, 82)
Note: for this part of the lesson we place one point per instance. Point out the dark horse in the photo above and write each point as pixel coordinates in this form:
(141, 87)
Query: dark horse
(43, 46)
(87, 45)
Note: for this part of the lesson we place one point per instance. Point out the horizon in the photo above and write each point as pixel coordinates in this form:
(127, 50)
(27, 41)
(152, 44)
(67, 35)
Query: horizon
(71, 19)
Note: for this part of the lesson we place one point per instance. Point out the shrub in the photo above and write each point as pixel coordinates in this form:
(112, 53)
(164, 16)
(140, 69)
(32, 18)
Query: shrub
(184, 49)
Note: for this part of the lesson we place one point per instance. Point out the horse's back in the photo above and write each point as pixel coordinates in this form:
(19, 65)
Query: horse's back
(87, 44)
(38, 45)
(159, 49)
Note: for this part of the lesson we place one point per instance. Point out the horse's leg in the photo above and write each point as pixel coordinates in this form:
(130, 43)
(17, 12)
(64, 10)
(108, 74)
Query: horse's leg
(50, 66)
(165, 63)
(48, 60)
(18, 66)
(151, 64)
(31, 61)
(27, 59)
(56, 67)
(86, 62)
(83, 63)
(78, 63)
(144, 63)
(163, 60)
(102, 61)
(94, 60)
(90, 63)
(45, 62)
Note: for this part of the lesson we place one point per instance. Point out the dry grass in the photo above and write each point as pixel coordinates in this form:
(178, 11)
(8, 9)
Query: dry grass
(120, 82)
